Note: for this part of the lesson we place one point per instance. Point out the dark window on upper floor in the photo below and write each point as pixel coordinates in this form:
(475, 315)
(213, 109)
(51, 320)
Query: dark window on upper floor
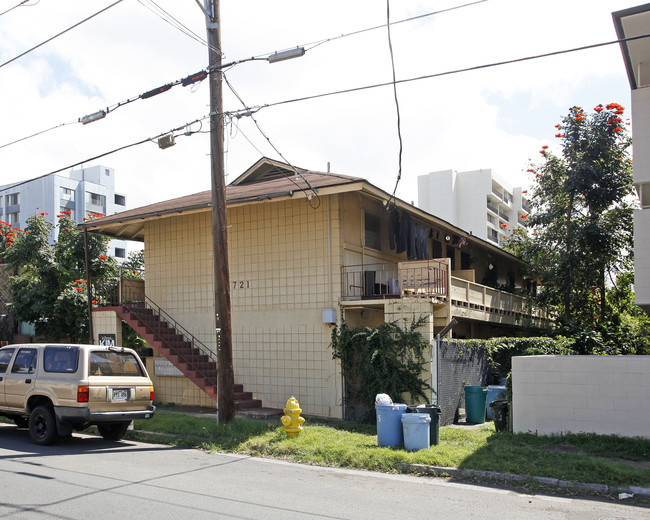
(372, 227)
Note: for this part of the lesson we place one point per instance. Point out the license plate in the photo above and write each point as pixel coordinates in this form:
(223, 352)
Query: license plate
(120, 394)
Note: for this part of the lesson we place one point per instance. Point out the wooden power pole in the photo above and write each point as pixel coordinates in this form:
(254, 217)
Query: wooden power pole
(225, 374)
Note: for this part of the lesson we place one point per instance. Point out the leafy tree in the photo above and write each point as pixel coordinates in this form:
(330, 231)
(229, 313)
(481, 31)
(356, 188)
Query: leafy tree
(133, 266)
(580, 227)
(48, 287)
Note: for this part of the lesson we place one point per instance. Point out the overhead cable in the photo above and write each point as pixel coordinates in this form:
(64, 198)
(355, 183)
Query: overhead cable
(249, 113)
(59, 34)
(451, 72)
(399, 121)
(171, 20)
(147, 140)
(19, 5)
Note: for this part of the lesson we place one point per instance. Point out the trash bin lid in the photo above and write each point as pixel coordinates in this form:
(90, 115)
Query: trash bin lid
(416, 418)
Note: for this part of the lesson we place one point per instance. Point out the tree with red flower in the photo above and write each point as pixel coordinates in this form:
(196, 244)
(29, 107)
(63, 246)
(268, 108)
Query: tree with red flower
(581, 215)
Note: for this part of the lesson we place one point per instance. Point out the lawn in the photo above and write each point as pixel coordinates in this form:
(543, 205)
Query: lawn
(610, 460)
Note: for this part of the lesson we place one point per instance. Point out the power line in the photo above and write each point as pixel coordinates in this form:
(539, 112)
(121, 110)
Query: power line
(137, 143)
(37, 133)
(451, 72)
(19, 5)
(317, 43)
(171, 20)
(250, 113)
(182, 28)
(399, 120)
(59, 34)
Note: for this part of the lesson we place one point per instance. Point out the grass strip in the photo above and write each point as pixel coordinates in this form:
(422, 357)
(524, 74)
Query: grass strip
(599, 459)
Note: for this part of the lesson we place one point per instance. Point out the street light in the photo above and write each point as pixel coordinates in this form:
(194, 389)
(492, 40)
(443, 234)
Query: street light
(286, 55)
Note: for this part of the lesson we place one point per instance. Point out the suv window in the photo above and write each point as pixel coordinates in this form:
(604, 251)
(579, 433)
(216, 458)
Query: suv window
(5, 357)
(61, 359)
(25, 362)
(111, 363)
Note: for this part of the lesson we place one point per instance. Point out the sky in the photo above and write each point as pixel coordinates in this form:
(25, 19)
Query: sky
(496, 117)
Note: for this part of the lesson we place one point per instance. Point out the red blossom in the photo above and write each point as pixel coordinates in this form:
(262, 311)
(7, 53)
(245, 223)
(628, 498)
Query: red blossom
(77, 281)
(95, 302)
(599, 108)
(80, 288)
(559, 135)
(103, 257)
(544, 147)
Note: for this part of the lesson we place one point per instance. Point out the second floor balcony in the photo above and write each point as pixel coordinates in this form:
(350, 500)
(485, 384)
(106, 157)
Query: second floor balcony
(429, 278)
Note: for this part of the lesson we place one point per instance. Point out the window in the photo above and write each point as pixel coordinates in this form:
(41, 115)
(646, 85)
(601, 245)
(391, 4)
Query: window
(5, 357)
(95, 199)
(12, 199)
(13, 218)
(372, 235)
(120, 200)
(107, 172)
(61, 359)
(644, 194)
(120, 252)
(25, 362)
(67, 194)
(114, 363)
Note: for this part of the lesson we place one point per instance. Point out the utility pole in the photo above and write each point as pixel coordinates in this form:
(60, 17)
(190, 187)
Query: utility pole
(225, 374)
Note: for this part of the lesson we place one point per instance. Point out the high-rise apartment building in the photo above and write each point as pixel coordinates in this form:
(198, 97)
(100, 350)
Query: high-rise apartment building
(478, 201)
(631, 23)
(85, 191)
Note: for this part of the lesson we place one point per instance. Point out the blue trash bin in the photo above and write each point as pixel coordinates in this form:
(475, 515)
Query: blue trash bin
(494, 393)
(389, 424)
(416, 431)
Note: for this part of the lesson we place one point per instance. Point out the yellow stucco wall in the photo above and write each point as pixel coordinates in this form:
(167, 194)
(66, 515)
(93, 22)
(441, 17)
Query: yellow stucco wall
(284, 271)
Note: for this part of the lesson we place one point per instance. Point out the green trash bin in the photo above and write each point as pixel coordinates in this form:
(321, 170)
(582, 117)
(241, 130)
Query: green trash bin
(434, 426)
(475, 408)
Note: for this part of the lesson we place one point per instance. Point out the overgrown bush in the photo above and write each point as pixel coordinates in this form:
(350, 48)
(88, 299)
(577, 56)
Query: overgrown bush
(501, 350)
(387, 359)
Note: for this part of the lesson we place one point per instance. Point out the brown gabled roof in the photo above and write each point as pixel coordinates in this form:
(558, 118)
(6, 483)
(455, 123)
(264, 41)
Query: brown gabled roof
(265, 180)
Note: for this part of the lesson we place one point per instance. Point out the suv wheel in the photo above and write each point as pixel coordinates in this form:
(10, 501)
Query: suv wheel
(42, 425)
(113, 431)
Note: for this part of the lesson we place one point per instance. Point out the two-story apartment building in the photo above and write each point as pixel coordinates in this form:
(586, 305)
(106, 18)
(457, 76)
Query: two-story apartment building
(307, 250)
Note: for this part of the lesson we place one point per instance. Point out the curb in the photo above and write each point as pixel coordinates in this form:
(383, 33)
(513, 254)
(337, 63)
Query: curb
(493, 475)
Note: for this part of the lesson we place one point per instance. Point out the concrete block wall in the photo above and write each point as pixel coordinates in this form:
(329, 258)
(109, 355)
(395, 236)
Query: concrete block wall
(573, 394)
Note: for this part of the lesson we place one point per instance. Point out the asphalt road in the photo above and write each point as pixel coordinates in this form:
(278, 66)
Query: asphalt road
(91, 479)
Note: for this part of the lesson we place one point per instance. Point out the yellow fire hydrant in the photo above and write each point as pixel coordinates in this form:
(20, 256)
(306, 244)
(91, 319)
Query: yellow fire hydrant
(292, 420)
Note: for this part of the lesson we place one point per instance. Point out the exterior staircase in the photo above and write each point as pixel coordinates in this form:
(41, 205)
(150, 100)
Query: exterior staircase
(187, 353)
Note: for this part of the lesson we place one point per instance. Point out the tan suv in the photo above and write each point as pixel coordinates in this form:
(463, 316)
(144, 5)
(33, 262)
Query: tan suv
(55, 388)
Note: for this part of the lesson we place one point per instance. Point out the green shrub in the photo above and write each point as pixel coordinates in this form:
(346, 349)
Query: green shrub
(382, 360)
